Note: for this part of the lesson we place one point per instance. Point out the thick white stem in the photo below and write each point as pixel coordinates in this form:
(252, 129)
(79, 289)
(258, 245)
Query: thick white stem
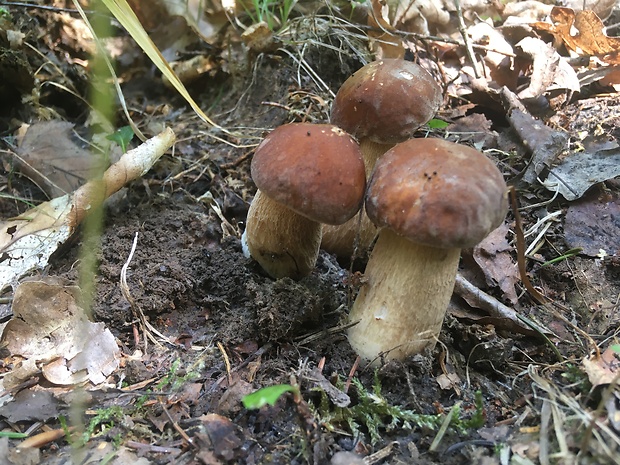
(401, 306)
(281, 241)
(340, 239)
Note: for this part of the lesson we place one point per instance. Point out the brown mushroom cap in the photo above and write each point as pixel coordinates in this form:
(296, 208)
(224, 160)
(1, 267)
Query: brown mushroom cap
(315, 170)
(437, 193)
(386, 101)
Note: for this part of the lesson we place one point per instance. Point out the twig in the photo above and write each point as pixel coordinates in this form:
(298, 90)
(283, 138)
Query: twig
(152, 448)
(521, 250)
(380, 454)
(226, 362)
(352, 371)
(463, 30)
(176, 426)
(489, 304)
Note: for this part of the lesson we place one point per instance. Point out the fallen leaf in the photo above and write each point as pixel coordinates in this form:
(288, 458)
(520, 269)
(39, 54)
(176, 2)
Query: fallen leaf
(499, 61)
(49, 327)
(494, 259)
(593, 224)
(545, 65)
(545, 143)
(582, 32)
(603, 369)
(579, 171)
(32, 404)
(219, 438)
(602, 8)
(48, 156)
(448, 381)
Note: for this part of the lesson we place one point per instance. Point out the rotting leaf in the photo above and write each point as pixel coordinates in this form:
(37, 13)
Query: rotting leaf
(33, 404)
(581, 170)
(593, 224)
(499, 61)
(545, 64)
(493, 257)
(545, 143)
(48, 326)
(48, 156)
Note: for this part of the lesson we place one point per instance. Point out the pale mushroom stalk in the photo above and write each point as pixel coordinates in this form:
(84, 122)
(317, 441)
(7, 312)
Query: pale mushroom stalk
(400, 308)
(282, 242)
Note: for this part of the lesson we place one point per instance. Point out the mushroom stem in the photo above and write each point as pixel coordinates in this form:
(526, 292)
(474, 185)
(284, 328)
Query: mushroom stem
(283, 242)
(340, 239)
(401, 307)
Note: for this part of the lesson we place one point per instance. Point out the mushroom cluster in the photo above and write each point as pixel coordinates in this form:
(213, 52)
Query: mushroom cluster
(306, 175)
(430, 198)
(381, 104)
(426, 199)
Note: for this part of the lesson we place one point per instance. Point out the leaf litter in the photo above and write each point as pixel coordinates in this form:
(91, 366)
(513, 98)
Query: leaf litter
(226, 330)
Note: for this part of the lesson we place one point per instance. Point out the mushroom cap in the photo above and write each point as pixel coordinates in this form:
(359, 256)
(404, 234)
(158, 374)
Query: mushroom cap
(386, 101)
(437, 193)
(316, 170)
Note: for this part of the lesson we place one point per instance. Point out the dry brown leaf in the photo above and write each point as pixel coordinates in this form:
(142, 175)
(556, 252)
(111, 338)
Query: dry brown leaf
(493, 257)
(582, 32)
(421, 16)
(602, 8)
(525, 12)
(603, 369)
(545, 65)
(593, 224)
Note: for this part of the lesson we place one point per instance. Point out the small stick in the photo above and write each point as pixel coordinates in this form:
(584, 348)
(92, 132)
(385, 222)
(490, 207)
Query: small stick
(468, 48)
(477, 298)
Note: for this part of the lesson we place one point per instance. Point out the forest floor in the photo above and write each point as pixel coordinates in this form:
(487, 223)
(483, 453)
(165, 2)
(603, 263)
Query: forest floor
(492, 391)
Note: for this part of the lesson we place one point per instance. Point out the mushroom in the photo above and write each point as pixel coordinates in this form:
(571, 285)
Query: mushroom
(430, 198)
(306, 174)
(381, 104)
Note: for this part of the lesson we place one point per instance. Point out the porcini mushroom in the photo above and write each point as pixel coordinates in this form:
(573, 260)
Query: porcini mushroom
(306, 174)
(430, 198)
(381, 104)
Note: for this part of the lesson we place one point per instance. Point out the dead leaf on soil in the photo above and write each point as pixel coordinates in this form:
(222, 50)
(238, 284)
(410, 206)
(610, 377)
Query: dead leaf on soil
(448, 381)
(385, 43)
(48, 156)
(51, 329)
(493, 257)
(33, 404)
(476, 129)
(582, 32)
(499, 62)
(525, 12)
(545, 65)
(218, 441)
(603, 369)
(579, 171)
(27, 241)
(593, 224)
(422, 16)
